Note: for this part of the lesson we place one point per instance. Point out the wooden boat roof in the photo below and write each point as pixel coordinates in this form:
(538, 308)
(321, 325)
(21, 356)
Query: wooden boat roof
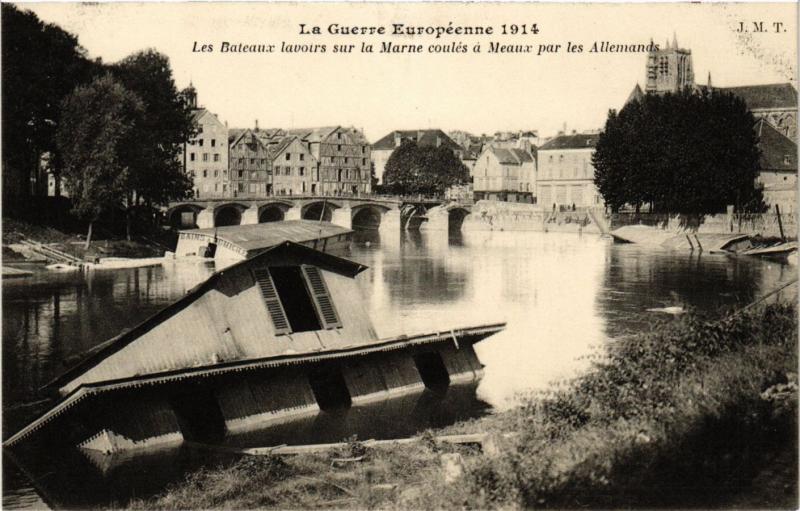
(84, 391)
(286, 251)
(258, 236)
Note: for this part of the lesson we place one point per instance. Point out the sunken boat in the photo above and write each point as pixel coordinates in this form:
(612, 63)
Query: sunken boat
(233, 243)
(274, 338)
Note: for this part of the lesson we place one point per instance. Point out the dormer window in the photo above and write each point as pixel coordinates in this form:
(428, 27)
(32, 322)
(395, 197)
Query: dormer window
(297, 298)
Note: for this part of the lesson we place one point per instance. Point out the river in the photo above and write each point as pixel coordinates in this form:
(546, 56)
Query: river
(562, 295)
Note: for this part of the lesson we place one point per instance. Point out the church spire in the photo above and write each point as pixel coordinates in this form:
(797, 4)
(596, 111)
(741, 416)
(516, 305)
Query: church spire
(674, 41)
(709, 80)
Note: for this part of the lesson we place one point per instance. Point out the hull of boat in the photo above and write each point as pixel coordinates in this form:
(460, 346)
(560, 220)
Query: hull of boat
(210, 406)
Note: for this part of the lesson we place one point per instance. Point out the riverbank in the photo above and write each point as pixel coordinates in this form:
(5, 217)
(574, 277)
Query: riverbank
(14, 231)
(695, 412)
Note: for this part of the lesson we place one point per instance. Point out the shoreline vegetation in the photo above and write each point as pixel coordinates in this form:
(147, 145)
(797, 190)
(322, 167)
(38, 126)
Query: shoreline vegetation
(696, 412)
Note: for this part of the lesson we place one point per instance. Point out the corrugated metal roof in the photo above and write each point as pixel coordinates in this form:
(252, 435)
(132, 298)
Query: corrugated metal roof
(257, 236)
(281, 252)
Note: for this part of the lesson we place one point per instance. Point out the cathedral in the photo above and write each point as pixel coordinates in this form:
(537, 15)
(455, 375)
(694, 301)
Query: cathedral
(669, 69)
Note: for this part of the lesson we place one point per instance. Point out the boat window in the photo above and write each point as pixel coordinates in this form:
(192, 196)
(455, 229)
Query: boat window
(322, 298)
(295, 298)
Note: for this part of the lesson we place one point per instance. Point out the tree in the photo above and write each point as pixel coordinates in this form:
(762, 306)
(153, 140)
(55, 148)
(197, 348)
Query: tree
(41, 65)
(693, 152)
(413, 169)
(97, 121)
(164, 126)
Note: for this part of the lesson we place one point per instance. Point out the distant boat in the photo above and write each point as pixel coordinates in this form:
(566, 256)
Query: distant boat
(278, 336)
(237, 242)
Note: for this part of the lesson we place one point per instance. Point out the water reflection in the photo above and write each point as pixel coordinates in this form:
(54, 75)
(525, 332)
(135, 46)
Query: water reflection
(562, 295)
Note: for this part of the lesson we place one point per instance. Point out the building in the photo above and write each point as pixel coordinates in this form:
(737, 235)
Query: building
(205, 157)
(342, 157)
(505, 174)
(669, 69)
(778, 174)
(294, 167)
(566, 174)
(775, 103)
(525, 140)
(250, 164)
(383, 148)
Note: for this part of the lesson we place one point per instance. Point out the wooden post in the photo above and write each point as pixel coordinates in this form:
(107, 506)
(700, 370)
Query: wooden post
(780, 222)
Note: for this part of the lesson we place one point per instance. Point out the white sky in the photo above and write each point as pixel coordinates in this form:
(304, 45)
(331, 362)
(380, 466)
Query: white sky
(479, 93)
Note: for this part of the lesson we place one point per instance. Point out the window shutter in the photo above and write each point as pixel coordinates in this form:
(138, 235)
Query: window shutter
(322, 299)
(272, 301)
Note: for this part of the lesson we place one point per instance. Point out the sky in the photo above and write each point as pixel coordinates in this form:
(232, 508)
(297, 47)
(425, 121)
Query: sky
(476, 92)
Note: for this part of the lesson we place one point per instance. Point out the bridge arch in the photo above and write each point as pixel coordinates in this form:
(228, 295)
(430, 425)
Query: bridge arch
(228, 214)
(318, 209)
(412, 216)
(368, 216)
(183, 216)
(455, 218)
(273, 211)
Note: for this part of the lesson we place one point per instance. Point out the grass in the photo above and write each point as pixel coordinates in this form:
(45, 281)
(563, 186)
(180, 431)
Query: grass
(695, 413)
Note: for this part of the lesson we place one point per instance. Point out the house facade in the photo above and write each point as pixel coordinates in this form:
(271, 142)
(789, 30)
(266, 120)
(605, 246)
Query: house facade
(566, 173)
(505, 175)
(343, 159)
(205, 157)
(778, 175)
(293, 167)
(250, 165)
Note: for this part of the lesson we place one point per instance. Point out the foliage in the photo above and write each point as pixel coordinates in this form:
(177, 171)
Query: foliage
(97, 121)
(165, 124)
(413, 169)
(691, 152)
(41, 65)
(680, 416)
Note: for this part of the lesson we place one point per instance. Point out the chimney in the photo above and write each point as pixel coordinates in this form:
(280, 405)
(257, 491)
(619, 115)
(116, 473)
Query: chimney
(256, 124)
(397, 139)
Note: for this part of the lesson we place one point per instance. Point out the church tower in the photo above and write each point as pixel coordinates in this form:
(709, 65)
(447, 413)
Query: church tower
(190, 96)
(669, 69)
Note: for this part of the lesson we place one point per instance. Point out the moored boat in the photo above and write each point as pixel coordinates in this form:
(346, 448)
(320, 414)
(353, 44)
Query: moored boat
(238, 242)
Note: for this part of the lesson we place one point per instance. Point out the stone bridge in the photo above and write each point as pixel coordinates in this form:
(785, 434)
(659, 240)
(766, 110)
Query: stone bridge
(386, 214)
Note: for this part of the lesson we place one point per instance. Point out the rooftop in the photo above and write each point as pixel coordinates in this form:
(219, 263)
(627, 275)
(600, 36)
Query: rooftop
(258, 236)
(577, 141)
(512, 156)
(778, 152)
(776, 95)
(421, 137)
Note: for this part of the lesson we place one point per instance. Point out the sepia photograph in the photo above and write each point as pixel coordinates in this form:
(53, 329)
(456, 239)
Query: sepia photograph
(399, 255)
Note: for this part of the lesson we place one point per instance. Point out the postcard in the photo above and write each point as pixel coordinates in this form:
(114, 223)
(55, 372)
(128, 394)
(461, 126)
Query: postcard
(399, 255)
